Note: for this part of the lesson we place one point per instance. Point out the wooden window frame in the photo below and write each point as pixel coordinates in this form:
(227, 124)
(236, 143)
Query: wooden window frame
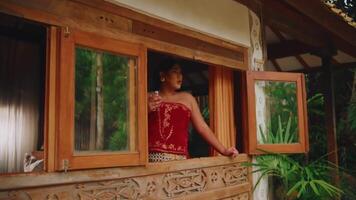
(252, 146)
(65, 131)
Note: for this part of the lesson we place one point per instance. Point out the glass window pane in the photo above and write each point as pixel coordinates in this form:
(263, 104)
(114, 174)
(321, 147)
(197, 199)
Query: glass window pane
(104, 85)
(276, 112)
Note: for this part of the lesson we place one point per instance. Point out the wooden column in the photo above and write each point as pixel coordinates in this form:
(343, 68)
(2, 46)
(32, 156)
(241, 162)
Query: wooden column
(329, 95)
(330, 117)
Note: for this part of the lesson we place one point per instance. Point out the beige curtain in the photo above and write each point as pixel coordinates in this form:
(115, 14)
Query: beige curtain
(221, 101)
(20, 101)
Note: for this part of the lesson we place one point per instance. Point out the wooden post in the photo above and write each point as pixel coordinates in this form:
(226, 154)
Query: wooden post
(330, 119)
(329, 95)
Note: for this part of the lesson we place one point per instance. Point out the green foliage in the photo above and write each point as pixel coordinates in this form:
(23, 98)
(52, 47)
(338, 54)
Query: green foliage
(84, 77)
(351, 115)
(281, 135)
(298, 182)
(345, 121)
(205, 113)
(114, 91)
(282, 105)
(316, 118)
(116, 101)
(118, 140)
(316, 105)
(282, 99)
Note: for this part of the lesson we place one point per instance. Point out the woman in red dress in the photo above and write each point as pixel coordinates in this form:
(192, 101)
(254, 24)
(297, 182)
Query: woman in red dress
(169, 114)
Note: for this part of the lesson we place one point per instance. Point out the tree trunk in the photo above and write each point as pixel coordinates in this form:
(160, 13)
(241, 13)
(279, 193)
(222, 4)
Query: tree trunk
(100, 103)
(92, 105)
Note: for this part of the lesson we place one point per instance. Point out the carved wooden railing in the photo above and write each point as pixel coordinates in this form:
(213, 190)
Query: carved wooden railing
(204, 178)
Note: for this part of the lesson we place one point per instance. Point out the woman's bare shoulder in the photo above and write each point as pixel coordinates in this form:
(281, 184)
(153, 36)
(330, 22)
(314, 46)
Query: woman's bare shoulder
(184, 95)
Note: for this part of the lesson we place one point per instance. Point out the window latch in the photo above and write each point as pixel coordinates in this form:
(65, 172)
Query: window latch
(65, 164)
(66, 31)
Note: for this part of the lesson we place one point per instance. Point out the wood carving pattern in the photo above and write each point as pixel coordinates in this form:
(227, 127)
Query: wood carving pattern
(106, 19)
(256, 49)
(151, 188)
(52, 197)
(15, 195)
(243, 196)
(234, 175)
(184, 182)
(122, 189)
(165, 185)
(214, 176)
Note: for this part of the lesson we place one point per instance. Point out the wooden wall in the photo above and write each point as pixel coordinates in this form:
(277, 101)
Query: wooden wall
(208, 178)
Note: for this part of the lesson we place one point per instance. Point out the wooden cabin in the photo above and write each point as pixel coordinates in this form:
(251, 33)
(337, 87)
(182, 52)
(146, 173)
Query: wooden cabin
(64, 136)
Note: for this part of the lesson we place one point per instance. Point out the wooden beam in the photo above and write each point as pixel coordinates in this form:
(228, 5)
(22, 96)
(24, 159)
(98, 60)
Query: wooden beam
(278, 34)
(344, 46)
(176, 28)
(302, 62)
(341, 35)
(334, 61)
(288, 48)
(319, 13)
(65, 13)
(276, 65)
(339, 66)
(307, 24)
(158, 33)
(299, 58)
(279, 15)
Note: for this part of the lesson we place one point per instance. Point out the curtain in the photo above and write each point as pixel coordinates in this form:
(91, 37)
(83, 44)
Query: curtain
(221, 93)
(20, 101)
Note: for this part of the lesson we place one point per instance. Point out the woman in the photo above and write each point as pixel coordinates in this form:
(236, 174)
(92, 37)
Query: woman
(169, 115)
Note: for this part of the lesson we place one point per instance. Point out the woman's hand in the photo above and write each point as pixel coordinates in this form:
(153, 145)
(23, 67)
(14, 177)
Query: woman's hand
(153, 101)
(231, 152)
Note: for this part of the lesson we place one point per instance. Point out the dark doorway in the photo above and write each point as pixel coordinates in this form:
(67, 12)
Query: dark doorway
(22, 88)
(196, 82)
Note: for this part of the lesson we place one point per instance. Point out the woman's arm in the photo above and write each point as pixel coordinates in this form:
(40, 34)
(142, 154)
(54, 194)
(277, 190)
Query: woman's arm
(204, 130)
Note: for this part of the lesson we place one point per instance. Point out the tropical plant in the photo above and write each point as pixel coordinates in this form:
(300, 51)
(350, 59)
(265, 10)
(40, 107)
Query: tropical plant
(279, 136)
(297, 181)
(351, 115)
(282, 112)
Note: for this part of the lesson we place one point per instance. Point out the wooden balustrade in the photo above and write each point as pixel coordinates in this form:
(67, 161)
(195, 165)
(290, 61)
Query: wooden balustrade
(200, 178)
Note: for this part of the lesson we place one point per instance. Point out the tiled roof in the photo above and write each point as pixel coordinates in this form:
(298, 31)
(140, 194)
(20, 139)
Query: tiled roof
(342, 14)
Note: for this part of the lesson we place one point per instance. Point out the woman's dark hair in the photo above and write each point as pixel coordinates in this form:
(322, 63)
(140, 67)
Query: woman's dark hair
(167, 64)
(164, 67)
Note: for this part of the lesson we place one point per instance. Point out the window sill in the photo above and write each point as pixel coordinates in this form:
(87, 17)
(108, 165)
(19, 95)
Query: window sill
(20, 181)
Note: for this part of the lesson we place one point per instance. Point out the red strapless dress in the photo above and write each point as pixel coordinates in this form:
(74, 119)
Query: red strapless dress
(168, 129)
